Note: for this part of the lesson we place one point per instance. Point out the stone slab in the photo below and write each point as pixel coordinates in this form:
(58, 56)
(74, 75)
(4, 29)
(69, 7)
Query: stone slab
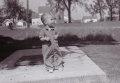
(64, 49)
(80, 69)
(77, 51)
(73, 47)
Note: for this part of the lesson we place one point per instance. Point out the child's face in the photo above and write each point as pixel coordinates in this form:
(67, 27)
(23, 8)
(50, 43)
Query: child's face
(50, 20)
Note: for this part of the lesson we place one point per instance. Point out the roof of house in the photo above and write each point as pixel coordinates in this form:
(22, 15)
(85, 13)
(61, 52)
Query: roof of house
(21, 21)
(7, 20)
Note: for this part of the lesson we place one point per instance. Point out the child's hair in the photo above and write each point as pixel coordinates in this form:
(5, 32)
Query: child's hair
(44, 17)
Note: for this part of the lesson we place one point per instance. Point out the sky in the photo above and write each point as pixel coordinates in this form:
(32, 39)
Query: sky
(33, 4)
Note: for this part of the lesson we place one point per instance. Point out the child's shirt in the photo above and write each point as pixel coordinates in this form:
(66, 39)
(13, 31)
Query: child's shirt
(48, 32)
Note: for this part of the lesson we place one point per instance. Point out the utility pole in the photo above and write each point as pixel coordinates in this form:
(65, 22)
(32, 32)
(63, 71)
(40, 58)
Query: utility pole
(119, 9)
(27, 14)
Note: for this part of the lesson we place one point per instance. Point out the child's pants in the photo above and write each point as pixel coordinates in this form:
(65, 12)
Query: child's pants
(51, 56)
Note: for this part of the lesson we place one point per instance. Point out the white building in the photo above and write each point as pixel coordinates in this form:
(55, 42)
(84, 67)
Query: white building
(6, 22)
(87, 19)
(36, 19)
(21, 23)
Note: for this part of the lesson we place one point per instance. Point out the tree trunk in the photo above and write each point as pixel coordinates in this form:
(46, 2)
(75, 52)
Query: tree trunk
(111, 14)
(100, 13)
(69, 16)
(100, 10)
(28, 24)
(69, 11)
(101, 18)
(119, 10)
(13, 20)
(60, 16)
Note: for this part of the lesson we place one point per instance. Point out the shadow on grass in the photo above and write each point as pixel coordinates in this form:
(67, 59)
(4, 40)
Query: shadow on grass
(9, 45)
(30, 60)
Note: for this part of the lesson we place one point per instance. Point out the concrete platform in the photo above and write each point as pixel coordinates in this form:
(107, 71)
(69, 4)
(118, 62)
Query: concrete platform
(79, 68)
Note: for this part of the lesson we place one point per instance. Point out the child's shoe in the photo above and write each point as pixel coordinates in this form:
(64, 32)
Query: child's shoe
(50, 70)
(60, 69)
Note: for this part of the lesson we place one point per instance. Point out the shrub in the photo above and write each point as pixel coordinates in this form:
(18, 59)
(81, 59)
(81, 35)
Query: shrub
(69, 39)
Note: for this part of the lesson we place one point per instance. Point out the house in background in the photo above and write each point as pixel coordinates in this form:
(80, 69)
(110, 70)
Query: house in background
(21, 23)
(36, 19)
(87, 19)
(7, 22)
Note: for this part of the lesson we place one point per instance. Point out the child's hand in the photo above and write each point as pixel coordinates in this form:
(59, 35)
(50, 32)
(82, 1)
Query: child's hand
(45, 39)
(56, 36)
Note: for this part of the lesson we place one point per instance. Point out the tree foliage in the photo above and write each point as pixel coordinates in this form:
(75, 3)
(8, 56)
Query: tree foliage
(118, 7)
(0, 12)
(56, 4)
(111, 4)
(64, 4)
(97, 7)
(57, 9)
(68, 4)
(13, 8)
(22, 15)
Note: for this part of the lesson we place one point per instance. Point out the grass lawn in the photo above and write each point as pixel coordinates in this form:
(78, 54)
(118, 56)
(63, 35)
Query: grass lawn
(107, 57)
(79, 29)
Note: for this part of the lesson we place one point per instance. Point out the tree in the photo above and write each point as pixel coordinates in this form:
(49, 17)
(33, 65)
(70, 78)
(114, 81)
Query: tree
(22, 15)
(97, 6)
(57, 9)
(0, 12)
(68, 4)
(118, 7)
(65, 4)
(13, 8)
(111, 6)
(3, 15)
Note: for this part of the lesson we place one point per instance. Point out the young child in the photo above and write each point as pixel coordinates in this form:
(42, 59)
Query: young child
(51, 55)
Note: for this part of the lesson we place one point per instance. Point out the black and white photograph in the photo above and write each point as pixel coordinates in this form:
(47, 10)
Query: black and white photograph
(59, 41)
